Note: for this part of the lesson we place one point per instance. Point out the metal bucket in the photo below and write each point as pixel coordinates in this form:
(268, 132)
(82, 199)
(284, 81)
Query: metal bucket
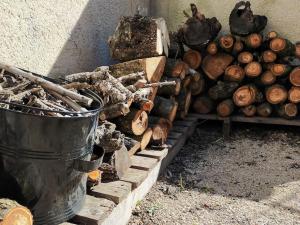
(44, 160)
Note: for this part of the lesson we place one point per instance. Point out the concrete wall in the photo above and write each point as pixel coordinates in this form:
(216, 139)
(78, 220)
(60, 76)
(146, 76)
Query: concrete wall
(59, 37)
(283, 15)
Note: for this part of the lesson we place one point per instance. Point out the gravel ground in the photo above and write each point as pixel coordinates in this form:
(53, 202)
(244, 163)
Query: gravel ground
(254, 178)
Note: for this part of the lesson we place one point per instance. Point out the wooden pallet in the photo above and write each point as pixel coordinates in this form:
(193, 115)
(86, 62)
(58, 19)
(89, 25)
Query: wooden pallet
(242, 119)
(112, 203)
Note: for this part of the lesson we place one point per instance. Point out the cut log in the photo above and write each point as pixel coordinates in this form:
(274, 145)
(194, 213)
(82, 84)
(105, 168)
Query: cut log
(180, 70)
(226, 42)
(288, 110)
(269, 56)
(192, 58)
(245, 95)
(113, 111)
(249, 110)
(184, 102)
(197, 85)
(12, 213)
(203, 105)
(234, 73)
(294, 95)
(253, 69)
(93, 178)
(131, 145)
(254, 40)
(297, 49)
(138, 37)
(215, 65)
(282, 47)
(170, 90)
(276, 94)
(237, 47)
(145, 138)
(245, 57)
(212, 48)
(153, 68)
(267, 78)
(271, 35)
(135, 122)
(198, 30)
(264, 109)
(165, 108)
(225, 108)
(222, 90)
(242, 22)
(295, 77)
(280, 69)
(160, 128)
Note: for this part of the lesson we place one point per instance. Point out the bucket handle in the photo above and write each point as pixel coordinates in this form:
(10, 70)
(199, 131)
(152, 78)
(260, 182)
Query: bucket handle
(88, 166)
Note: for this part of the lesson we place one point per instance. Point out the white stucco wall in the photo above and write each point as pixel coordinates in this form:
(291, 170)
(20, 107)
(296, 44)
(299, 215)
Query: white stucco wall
(283, 15)
(59, 37)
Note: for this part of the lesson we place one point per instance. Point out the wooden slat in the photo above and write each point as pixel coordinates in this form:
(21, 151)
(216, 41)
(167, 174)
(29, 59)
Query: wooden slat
(179, 129)
(142, 163)
(174, 135)
(156, 154)
(93, 211)
(115, 191)
(183, 123)
(67, 223)
(134, 176)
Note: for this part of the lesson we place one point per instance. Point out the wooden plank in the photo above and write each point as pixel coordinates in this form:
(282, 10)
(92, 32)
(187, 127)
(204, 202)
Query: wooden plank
(115, 191)
(183, 123)
(93, 211)
(156, 154)
(174, 135)
(142, 163)
(134, 149)
(180, 129)
(135, 177)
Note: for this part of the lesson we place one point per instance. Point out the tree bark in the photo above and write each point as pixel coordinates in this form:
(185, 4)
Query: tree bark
(249, 110)
(294, 95)
(225, 108)
(234, 73)
(276, 94)
(13, 213)
(170, 90)
(282, 47)
(253, 69)
(193, 58)
(165, 108)
(113, 111)
(288, 110)
(245, 95)
(215, 65)
(245, 57)
(203, 105)
(184, 102)
(264, 109)
(295, 77)
(222, 90)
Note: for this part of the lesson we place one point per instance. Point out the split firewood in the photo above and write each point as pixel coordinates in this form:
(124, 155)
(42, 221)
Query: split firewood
(294, 95)
(234, 73)
(288, 110)
(143, 139)
(249, 110)
(253, 40)
(253, 69)
(226, 42)
(135, 122)
(192, 58)
(269, 56)
(246, 95)
(132, 145)
(225, 108)
(152, 67)
(242, 22)
(237, 47)
(222, 90)
(282, 47)
(171, 89)
(198, 31)
(184, 102)
(276, 94)
(215, 65)
(165, 108)
(160, 130)
(203, 105)
(295, 77)
(139, 37)
(121, 161)
(245, 57)
(12, 213)
(212, 48)
(180, 70)
(113, 111)
(264, 109)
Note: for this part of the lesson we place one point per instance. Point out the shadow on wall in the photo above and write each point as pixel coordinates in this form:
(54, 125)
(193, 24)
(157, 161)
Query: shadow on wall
(87, 46)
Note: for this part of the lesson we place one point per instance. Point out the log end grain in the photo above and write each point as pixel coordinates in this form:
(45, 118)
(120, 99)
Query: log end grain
(253, 69)
(193, 58)
(244, 95)
(295, 77)
(234, 73)
(245, 57)
(276, 94)
(294, 95)
(212, 48)
(269, 56)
